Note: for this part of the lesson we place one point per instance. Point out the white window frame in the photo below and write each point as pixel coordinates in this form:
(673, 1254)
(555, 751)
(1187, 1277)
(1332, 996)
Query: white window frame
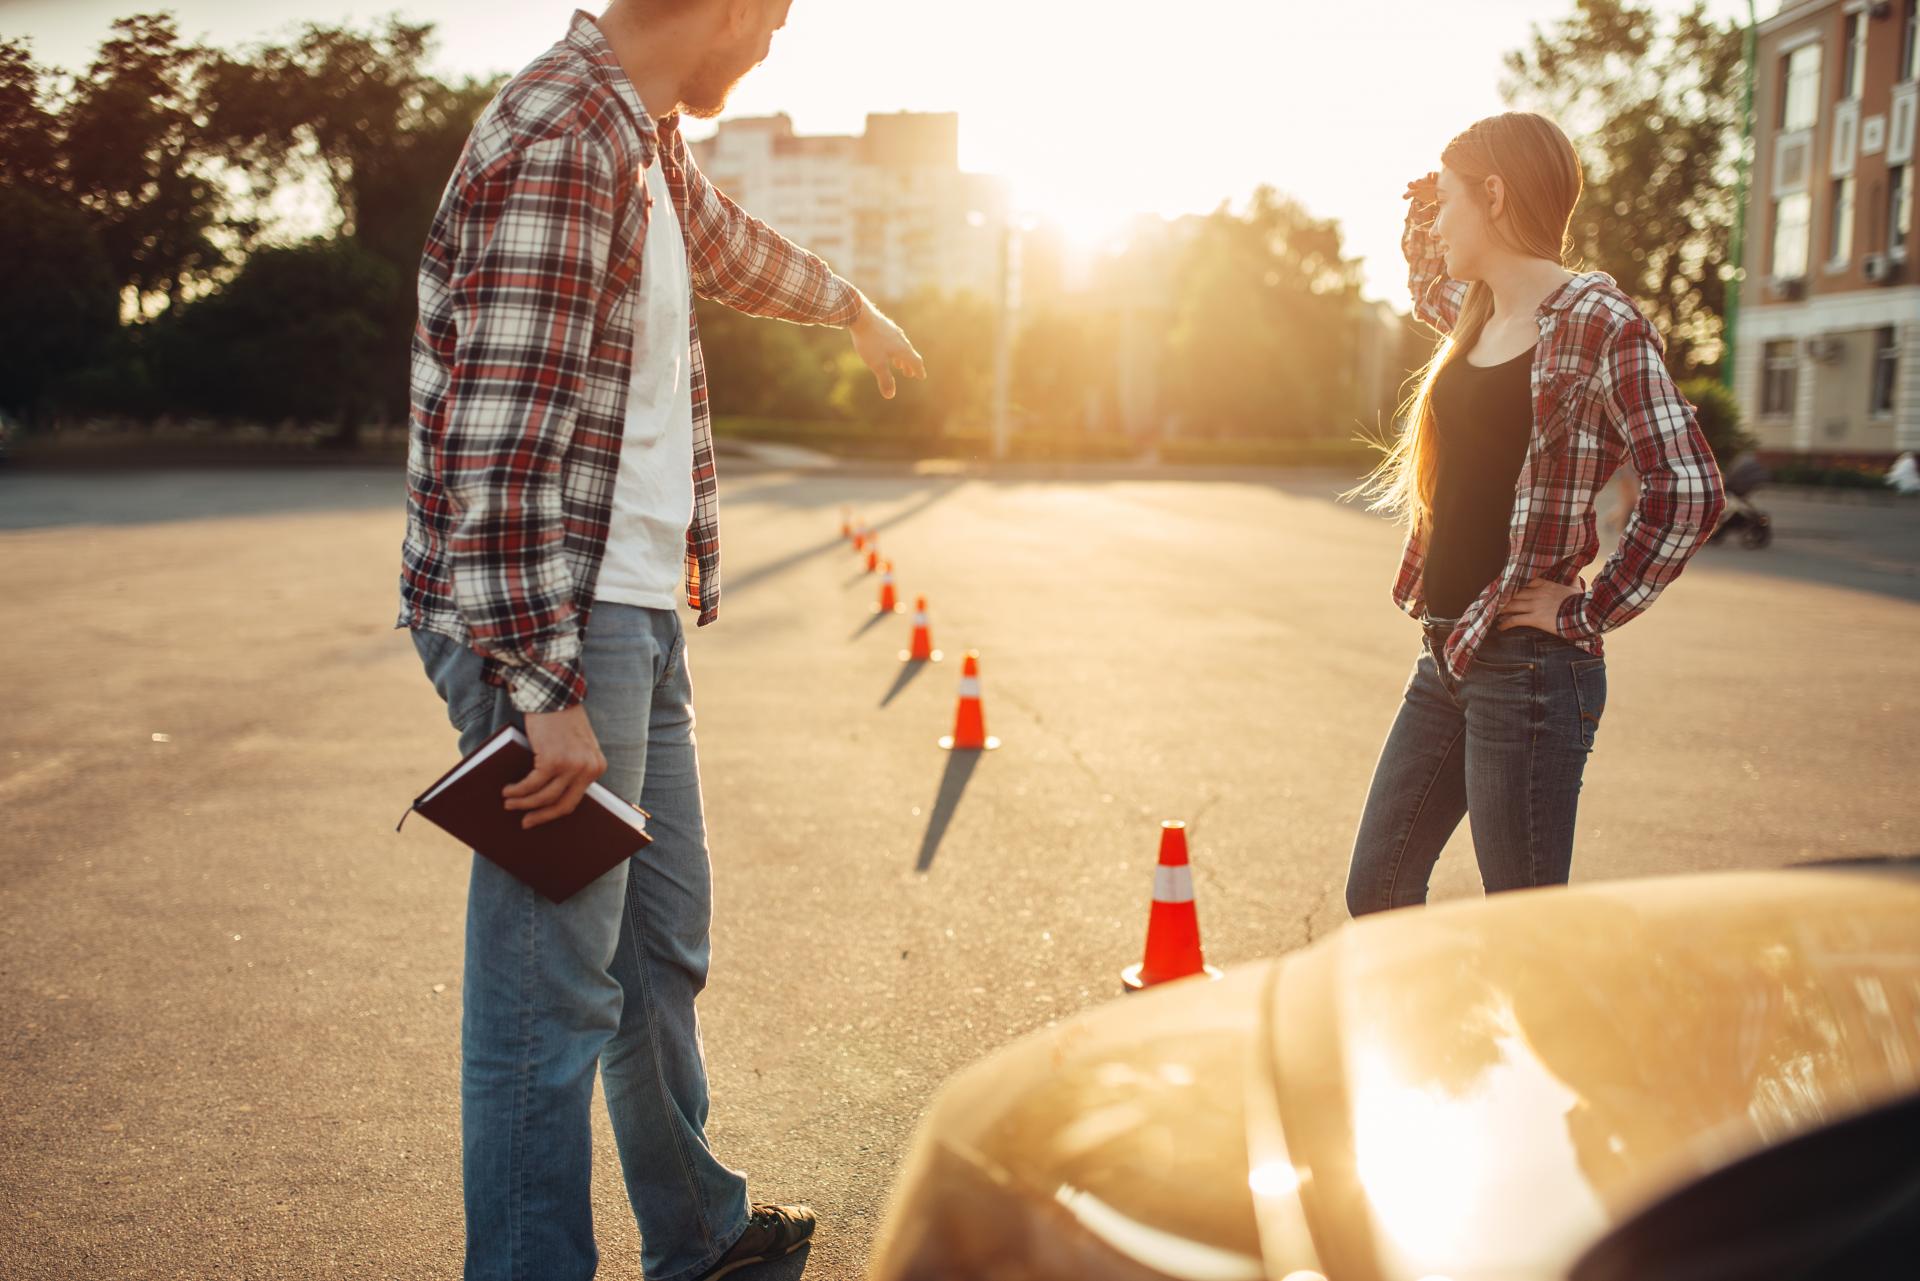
(1841, 221)
(1789, 124)
(1845, 152)
(1786, 163)
(1853, 57)
(1894, 227)
(1910, 43)
(1779, 357)
(1804, 224)
(1885, 353)
(1900, 118)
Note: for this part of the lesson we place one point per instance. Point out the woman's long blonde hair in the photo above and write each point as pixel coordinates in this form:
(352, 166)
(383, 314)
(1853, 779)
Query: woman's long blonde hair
(1543, 182)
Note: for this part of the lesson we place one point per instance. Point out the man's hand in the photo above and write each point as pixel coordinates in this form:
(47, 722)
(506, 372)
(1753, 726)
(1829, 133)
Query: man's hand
(566, 757)
(884, 347)
(1538, 605)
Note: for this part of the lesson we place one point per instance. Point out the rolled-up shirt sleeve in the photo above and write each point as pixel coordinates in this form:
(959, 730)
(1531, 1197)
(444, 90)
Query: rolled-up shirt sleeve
(1681, 492)
(525, 282)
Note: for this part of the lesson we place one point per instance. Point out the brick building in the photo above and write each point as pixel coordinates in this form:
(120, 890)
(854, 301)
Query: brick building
(1827, 355)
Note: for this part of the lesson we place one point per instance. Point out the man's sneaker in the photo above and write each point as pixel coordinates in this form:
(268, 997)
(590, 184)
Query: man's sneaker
(773, 1232)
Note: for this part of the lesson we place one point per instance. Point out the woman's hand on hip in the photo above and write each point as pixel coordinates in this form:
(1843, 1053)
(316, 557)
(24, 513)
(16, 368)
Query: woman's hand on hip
(1538, 605)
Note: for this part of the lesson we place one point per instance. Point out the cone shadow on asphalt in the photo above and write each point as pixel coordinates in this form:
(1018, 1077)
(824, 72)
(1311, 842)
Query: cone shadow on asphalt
(873, 621)
(960, 766)
(908, 671)
(760, 573)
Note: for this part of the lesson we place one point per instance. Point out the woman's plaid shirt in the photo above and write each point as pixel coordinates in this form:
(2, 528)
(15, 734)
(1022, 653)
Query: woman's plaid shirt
(523, 351)
(1601, 394)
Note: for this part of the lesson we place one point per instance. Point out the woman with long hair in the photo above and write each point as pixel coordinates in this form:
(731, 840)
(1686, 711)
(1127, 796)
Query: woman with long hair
(1547, 381)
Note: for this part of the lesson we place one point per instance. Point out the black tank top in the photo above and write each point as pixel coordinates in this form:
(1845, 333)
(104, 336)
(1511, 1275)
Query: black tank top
(1483, 418)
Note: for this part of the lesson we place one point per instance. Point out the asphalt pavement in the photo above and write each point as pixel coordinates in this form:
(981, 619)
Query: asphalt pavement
(232, 989)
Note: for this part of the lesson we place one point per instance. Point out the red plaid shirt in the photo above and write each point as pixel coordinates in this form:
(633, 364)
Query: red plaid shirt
(1601, 394)
(528, 293)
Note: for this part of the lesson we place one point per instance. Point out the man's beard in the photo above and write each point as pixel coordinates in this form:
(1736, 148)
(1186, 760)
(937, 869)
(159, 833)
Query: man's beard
(705, 93)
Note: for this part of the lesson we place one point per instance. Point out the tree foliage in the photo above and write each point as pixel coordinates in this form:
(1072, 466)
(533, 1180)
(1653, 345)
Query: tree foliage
(1265, 324)
(1654, 110)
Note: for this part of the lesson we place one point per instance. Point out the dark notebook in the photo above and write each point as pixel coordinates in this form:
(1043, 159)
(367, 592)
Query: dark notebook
(555, 858)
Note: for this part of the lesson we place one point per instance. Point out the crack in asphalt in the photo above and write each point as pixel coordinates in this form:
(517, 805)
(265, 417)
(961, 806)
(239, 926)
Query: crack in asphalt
(1040, 722)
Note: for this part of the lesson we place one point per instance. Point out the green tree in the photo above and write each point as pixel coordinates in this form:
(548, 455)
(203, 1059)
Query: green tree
(1264, 325)
(29, 126)
(1718, 411)
(954, 333)
(768, 369)
(359, 108)
(61, 307)
(296, 334)
(133, 158)
(1655, 114)
(173, 153)
(1062, 354)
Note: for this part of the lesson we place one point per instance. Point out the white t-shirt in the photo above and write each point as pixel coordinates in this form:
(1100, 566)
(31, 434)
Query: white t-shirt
(653, 494)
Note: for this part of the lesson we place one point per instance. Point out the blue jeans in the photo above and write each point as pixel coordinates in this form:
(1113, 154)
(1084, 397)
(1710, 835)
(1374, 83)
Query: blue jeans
(606, 979)
(1504, 745)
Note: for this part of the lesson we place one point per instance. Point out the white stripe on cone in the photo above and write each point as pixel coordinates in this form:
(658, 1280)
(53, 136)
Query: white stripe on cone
(969, 687)
(1173, 884)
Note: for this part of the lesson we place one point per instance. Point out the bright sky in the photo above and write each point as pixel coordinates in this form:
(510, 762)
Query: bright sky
(1092, 108)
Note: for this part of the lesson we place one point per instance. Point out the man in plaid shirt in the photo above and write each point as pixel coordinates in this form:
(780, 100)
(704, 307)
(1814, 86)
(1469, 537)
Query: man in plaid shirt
(560, 468)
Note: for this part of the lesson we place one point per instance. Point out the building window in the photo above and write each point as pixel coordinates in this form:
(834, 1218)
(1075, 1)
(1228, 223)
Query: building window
(1853, 75)
(1792, 225)
(1910, 42)
(1779, 379)
(1840, 235)
(1899, 207)
(1800, 101)
(1886, 368)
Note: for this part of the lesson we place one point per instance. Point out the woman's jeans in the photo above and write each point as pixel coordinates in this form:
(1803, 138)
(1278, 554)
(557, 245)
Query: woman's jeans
(606, 979)
(1504, 745)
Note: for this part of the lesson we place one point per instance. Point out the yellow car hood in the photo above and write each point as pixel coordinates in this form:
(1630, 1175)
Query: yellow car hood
(1481, 1090)
(1475, 1091)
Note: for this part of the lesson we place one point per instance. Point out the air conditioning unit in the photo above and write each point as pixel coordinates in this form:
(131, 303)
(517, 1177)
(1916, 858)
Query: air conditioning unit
(1880, 8)
(1787, 286)
(1821, 349)
(1880, 268)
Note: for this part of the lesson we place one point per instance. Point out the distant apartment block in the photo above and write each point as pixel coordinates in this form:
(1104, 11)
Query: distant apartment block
(889, 209)
(1827, 357)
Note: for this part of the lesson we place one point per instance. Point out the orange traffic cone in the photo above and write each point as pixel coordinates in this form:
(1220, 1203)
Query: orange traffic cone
(873, 553)
(970, 721)
(859, 537)
(1173, 928)
(923, 650)
(889, 603)
(846, 525)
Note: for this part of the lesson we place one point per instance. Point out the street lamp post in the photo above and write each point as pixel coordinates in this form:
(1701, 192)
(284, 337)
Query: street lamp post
(1008, 319)
(1739, 247)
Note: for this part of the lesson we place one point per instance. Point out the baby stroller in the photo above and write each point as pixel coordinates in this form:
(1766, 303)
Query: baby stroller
(1756, 527)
